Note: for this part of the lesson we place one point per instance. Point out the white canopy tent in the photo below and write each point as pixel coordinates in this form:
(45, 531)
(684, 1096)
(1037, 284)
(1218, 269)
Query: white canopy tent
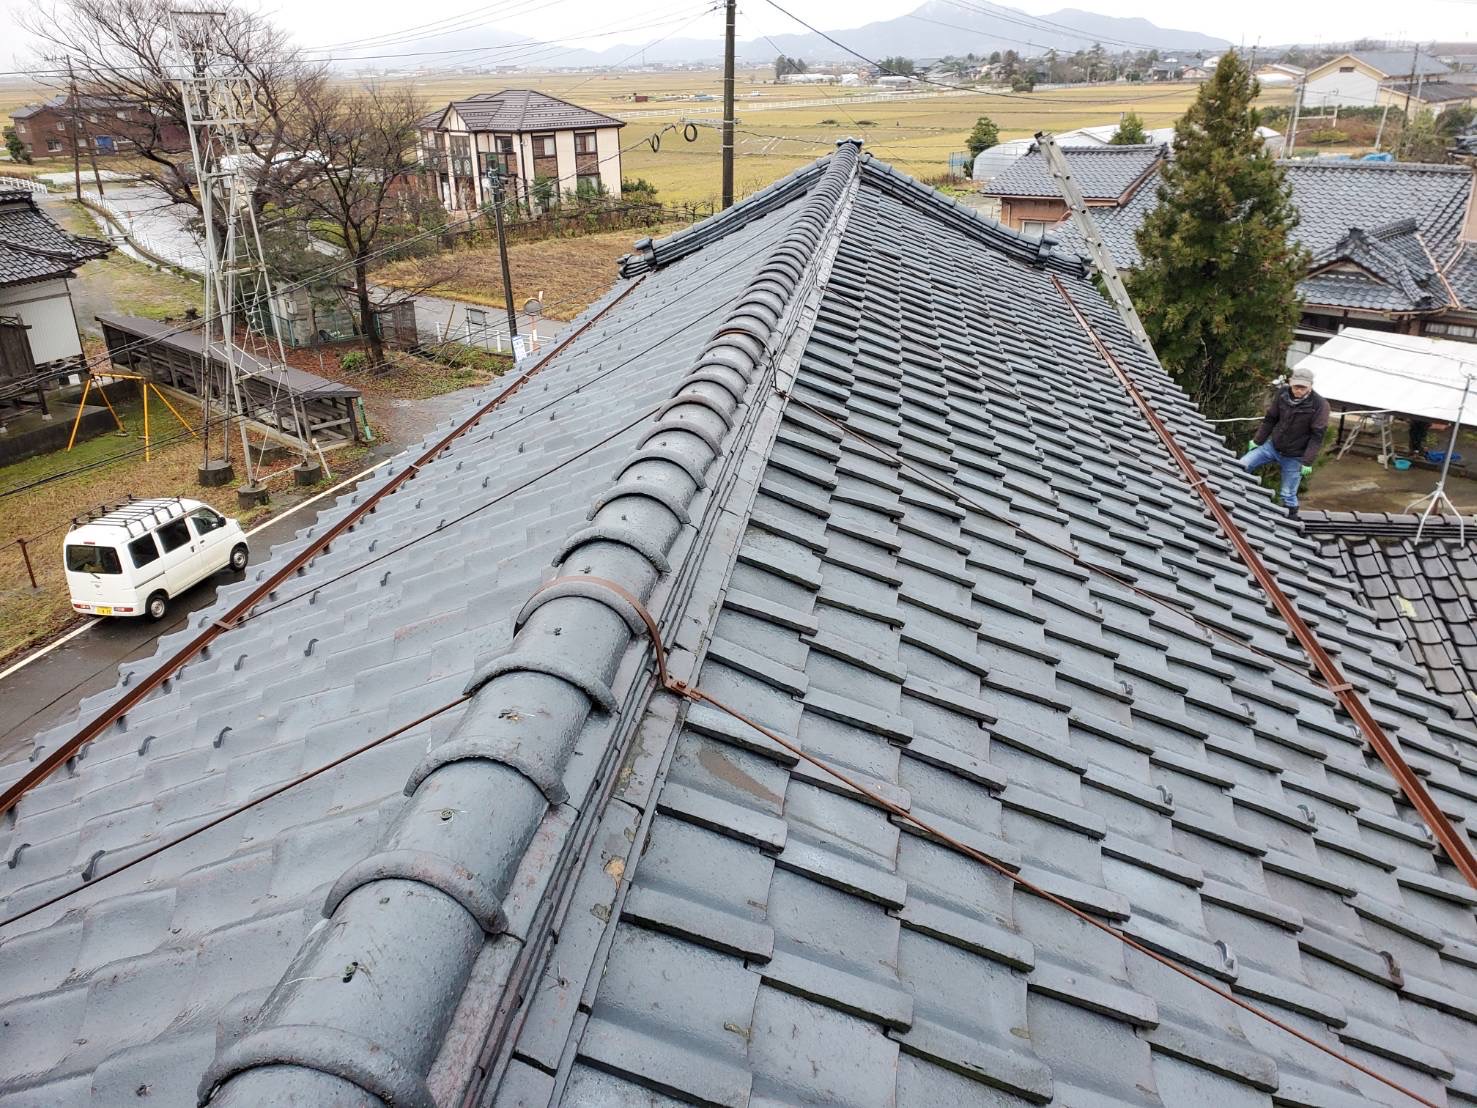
(1410, 374)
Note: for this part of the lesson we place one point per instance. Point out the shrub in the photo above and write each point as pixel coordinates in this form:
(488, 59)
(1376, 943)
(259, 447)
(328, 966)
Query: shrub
(1324, 137)
(352, 362)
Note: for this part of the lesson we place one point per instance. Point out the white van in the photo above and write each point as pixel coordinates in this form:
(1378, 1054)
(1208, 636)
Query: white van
(133, 560)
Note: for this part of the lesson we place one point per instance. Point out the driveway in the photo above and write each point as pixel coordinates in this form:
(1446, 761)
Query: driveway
(47, 690)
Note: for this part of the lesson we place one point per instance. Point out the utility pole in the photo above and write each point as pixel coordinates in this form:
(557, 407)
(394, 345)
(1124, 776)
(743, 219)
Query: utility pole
(730, 15)
(91, 145)
(1289, 142)
(76, 150)
(496, 175)
(1380, 133)
(1405, 127)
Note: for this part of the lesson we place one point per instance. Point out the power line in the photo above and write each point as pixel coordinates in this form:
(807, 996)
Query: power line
(929, 80)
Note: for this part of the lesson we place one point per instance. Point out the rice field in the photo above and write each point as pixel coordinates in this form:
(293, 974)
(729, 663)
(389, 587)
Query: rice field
(780, 127)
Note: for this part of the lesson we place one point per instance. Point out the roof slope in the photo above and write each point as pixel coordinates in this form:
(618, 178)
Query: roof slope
(1402, 63)
(1418, 208)
(598, 896)
(33, 247)
(215, 924)
(518, 109)
(1102, 172)
(1423, 591)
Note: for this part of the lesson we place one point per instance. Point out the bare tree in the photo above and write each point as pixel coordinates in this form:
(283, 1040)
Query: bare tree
(121, 52)
(361, 143)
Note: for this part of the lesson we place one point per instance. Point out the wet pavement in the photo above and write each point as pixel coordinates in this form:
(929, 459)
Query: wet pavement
(47, 690)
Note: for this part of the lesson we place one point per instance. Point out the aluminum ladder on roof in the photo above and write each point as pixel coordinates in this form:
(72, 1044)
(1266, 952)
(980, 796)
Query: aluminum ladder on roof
(1082, 219)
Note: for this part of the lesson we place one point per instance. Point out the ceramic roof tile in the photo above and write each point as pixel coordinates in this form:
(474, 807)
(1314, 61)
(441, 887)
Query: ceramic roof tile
(521, 111)
(1101, 172)
(33, 247)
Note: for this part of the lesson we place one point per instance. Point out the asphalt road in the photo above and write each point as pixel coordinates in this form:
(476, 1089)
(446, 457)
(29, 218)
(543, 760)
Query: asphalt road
(47, 690)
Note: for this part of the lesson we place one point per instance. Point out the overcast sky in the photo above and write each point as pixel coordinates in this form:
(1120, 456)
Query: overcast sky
(326, 22)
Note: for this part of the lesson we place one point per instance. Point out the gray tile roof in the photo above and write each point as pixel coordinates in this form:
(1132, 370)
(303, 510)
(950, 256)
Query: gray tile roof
(1423, 591)
(33, 247)
(1400, 221)
(1433, 92)
(595, 896)
(1401, 63)
(523, 110)
(1102, 172)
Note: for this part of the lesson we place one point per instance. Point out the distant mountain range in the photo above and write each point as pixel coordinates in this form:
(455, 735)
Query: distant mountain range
(935, 29)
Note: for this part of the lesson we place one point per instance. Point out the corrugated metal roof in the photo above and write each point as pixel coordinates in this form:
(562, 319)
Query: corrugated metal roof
(598, 896)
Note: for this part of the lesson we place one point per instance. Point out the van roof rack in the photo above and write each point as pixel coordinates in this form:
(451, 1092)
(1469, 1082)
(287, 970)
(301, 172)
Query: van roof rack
(136, 517)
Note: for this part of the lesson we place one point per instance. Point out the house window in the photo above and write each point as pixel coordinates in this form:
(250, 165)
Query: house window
(61, 126)
(1346, 69)
(21, 129)
(543, 146)
(53, 145)
(1033, 228)
(123, 115)
(588, 181)
(1463, 331)
(584, 142)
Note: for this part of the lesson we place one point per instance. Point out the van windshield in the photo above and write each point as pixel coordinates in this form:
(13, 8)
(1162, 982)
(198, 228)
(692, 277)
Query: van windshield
(93, 559)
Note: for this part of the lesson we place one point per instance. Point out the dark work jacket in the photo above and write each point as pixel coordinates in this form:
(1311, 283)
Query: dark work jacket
(1295, 429)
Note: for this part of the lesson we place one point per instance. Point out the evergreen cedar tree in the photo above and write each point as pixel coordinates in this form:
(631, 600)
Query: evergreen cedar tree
(984, 136)
(1130, 131)
(1217, 286)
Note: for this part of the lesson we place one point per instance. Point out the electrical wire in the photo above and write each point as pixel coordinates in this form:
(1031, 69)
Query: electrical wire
(682, 326)
(220, 818)
(944, 84)
(328, 270)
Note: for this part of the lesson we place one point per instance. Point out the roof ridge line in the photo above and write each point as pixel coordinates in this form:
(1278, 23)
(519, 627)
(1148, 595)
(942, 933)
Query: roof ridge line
(437, 881)
(1046, 250)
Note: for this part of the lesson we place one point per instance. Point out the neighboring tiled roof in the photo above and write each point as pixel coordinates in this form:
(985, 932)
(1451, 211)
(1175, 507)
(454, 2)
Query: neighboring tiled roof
(1414, 210)
(1433, 92)
(59, 103)
(525, 110)
(33, 247)
(1387, 269)
(1102, 172)
(1402, 63)
(1423, 591)
(596, 896)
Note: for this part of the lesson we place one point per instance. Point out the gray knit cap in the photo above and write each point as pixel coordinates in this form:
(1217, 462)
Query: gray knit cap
(1301, 375)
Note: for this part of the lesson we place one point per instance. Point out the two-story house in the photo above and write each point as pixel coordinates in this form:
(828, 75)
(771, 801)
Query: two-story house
(101, 125)
(543, 146)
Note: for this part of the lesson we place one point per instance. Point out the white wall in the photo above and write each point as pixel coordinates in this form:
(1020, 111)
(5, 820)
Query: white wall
(608, 143)
(46, 307)
(1347, 90)
(564, 148)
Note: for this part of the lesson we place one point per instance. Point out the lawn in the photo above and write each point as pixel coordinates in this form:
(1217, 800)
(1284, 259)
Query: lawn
(569, 273)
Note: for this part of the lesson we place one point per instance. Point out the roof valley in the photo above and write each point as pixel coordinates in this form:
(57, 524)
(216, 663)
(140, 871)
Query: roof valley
(444, 886)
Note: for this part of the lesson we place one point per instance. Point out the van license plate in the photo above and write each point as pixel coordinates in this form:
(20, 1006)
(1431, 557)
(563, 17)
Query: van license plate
(103, 611)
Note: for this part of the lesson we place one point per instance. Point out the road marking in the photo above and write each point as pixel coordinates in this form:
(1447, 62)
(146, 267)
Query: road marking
(88, 626)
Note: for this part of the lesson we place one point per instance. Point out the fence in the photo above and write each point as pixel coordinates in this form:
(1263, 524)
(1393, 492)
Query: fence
(150, 246)
(30, 184)
(559, 221)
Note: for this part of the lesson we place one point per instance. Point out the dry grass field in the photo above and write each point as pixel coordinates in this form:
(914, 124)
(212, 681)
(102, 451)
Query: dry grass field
(783, 126)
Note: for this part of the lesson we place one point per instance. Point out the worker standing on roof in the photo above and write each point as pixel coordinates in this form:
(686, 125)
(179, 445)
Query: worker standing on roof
(1291, 434)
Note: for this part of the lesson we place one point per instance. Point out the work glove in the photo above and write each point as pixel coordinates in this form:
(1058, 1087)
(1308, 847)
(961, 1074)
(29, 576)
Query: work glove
(1250, 445)
(1307, 471)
